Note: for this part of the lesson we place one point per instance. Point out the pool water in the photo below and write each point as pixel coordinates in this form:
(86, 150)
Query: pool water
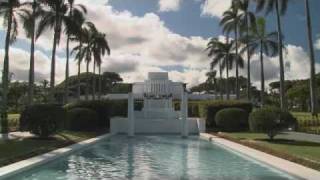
(154, 157)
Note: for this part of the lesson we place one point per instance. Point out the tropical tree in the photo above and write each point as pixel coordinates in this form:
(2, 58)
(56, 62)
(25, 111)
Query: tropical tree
(100, 48)
(83, 51)
(280, 6)
(230, 23)
(313, 87)
(76, 17)
(262, 42)
(10, 10)
(29, 25)
(224, 56)
(247, 20)
(211, 82)
(54, 17)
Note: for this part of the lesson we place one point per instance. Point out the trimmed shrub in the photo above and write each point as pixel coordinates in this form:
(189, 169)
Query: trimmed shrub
(43, 120)
(209, 109)
(231, 119)
(82, 119)
(105, 109)
(271, 120)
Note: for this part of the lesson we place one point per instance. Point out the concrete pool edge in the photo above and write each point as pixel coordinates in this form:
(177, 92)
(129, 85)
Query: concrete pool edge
(276, 162)
(24, 165)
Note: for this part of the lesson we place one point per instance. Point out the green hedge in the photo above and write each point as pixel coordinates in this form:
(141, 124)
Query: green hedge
(105, 109)
(82, 119)
(232, 119)
(209, 109)
(43, 120)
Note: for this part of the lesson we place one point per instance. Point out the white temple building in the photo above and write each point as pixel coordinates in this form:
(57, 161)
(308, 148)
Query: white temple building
(158, 114)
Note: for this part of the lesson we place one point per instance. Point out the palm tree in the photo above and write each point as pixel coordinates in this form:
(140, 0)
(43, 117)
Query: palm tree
(264, 43)
(280, 6)
(100, 48)
(10, 11)
(84, 50)
(76, 16)
(313, 87)
(29, 24)
(247, 20)
(55, 16)
(230, 22)
(223, 55)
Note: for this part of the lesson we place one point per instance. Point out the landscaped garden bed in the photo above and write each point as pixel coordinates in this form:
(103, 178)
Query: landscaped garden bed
(301, 152)
(19, 149)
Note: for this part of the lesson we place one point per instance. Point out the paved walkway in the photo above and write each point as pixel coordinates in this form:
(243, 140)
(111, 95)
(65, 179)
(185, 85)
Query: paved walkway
(18, 135)
(299, 136)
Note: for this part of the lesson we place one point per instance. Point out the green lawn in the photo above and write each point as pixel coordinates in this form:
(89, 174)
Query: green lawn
(15, 150)
(305, 153)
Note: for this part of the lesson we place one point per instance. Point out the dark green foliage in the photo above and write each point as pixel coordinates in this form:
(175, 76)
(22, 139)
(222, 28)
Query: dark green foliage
(231, 119)
(105, 109)
(208, 109)
(82, 119)
(270, 120)
(43, 120)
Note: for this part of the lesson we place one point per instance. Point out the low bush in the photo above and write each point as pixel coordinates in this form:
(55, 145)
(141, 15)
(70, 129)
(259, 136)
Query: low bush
(43, 120)
(82, 119)
(270, 120)
(105, 109)
(231, 119)
(209, 109)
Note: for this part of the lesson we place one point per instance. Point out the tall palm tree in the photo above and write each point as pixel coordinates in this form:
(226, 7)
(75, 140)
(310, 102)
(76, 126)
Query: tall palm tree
(76, 16)
(10, 11)
(230, 23)
(264, 43)
(280, 6)
(100, 48)
(29, 24)
(224, 56)
(313, 85)
(83, 50)
(247, 20)
(55, 16)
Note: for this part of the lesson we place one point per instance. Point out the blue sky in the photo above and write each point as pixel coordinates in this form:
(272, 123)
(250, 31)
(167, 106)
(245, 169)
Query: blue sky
(168, 35)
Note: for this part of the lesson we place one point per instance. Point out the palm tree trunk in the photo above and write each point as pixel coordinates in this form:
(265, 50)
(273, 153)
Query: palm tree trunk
(220, 71)
(94, 81)
(53, 58)
(283, 103)
(100, 84)
(79, 72)
(5, 78)
(237, 63)
(31, 69)
(249, 61)
(262, 75)
(87, 83)
(227, 71)
(66, 85)
(313, 95)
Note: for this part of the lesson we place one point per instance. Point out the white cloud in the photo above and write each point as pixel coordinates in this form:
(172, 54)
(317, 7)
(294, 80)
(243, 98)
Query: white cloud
(215, 8)
(169, 5)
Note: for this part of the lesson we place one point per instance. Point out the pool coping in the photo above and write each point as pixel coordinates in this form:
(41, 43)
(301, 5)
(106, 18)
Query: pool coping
(286, 166)
(24, 165)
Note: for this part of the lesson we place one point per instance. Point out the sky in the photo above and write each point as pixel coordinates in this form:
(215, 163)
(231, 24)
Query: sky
(167, 35)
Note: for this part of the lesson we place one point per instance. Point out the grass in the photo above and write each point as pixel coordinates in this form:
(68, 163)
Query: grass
(16, 150)
(305, 153)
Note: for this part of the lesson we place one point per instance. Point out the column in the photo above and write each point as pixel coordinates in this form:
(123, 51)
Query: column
(184, 114)
(130, 115)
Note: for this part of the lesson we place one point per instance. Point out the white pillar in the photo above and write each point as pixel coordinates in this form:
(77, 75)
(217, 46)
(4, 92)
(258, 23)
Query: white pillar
(184, 114)
(130, 115)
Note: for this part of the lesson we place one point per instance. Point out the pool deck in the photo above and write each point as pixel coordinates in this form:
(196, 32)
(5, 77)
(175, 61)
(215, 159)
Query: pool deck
(291, 168)
(16, 168)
